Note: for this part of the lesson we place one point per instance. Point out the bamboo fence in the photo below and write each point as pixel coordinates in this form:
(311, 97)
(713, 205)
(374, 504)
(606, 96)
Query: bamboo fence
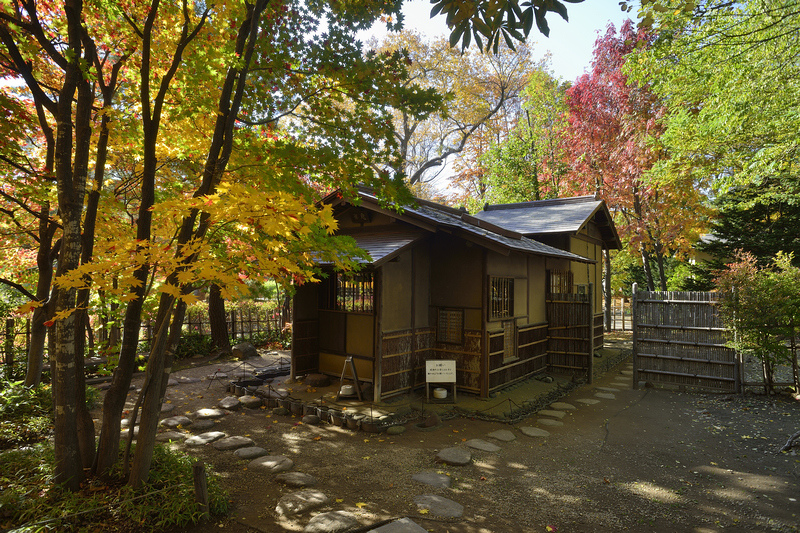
(679, 340)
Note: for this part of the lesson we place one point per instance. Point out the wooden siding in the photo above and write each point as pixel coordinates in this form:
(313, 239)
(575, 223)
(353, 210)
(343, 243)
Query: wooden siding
(679, 340)
(467, 357)
(305, 347)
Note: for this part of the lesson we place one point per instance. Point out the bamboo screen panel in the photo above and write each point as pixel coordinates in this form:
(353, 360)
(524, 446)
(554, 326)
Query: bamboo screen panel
(570, 331)
(467, 357)
(531, 349)
(679, 340)
(402, 366)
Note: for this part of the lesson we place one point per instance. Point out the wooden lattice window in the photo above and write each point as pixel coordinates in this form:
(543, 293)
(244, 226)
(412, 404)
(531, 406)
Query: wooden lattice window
(560, 282)
(354, 293)
(450, 324)
(501, 298)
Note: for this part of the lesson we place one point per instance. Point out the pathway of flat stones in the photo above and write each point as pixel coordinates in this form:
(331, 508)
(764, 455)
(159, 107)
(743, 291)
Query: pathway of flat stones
(306, 499)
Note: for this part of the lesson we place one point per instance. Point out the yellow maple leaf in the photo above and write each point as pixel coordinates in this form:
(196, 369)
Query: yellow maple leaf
(424, 511)
(361, 505)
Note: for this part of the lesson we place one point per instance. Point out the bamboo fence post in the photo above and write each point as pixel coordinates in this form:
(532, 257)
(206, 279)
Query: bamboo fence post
(200, 487)
(633, 328)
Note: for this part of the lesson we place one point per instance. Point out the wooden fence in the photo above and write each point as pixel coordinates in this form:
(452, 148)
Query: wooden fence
(247, 324)
(679, 340)
(243, 324)
(570, 332)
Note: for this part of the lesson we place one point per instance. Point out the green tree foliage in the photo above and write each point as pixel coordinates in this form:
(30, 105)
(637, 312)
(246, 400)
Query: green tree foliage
(728, 76)
(530, 163)
(761, 305)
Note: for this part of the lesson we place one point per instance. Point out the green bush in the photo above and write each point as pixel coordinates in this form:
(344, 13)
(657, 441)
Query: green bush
(28, 496)
(192, 344)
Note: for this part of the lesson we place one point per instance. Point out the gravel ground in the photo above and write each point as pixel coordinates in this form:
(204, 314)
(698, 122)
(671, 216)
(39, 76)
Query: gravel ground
(646, 460)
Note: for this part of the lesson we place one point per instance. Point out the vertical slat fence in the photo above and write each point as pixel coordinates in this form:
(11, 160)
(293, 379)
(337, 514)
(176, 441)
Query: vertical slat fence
(679, 340)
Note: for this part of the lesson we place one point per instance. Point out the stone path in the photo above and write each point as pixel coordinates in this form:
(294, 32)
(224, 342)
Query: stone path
(307, 499)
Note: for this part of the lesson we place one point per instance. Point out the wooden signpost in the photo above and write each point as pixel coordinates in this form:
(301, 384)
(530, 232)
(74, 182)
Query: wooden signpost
(440, 371)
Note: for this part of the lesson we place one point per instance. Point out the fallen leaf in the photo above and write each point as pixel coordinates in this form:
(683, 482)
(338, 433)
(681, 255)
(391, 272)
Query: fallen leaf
(339, 500)
(361, 505)
(423, 511)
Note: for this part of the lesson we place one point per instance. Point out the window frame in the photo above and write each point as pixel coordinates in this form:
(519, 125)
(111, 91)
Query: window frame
(348, 292)
(501, 298)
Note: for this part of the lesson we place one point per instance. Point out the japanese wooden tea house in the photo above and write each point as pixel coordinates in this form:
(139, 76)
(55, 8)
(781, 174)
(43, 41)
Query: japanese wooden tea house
(442, 284)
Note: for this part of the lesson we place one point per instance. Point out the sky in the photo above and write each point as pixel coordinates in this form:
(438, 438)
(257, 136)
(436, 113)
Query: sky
(571, 43)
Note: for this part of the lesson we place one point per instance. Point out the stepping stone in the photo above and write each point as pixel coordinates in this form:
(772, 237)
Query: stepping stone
(607, 389)
(296, 479)
(435, 480)
(281, 411)
(230, 403)
(170, 436)
(167, 407)
(175, 421)
(395, 430)
(626, 372)
(125, 422)
(502, 435)
(454, 456)
(124, 433)
(480, 444)
(250, 452)
(207, 414)
(534, 432)
(554, 414)
(217, 375)
(605, 396)
(202, 425)
(181, 379)
(438, 506)
(550, 422)
(333, 522)
(204, 438)
(311, 420)
(562, 406)
(404, 525)
(233, 443)
(251, 402)
(300, 502)
(271, 463)
(588, 401)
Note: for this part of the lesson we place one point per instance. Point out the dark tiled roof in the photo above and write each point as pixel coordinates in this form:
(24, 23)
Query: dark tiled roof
(384, 245)
(562, 215)
(443, 216)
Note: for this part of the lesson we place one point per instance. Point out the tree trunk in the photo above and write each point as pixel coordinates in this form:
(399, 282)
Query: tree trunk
(159, 366)
(218, 320)
(662, 273)
(648, 271)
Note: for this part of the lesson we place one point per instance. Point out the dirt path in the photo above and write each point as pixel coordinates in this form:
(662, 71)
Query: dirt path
(637, 460)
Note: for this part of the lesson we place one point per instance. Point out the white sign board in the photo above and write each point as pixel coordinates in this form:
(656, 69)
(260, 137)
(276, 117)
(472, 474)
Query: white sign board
(440, 371)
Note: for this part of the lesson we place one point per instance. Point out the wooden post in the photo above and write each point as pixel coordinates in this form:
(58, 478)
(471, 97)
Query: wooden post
(200, 487)
(633, 328)
(9, 345)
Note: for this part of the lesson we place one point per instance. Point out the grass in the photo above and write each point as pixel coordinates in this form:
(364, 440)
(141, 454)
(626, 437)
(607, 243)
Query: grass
(30, 501)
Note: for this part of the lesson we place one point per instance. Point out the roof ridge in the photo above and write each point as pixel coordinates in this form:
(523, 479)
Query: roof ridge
(549, 201)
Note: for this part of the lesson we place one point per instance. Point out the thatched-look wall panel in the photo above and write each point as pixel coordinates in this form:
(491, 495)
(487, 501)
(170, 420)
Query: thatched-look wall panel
(403, 359)
(467, 357)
